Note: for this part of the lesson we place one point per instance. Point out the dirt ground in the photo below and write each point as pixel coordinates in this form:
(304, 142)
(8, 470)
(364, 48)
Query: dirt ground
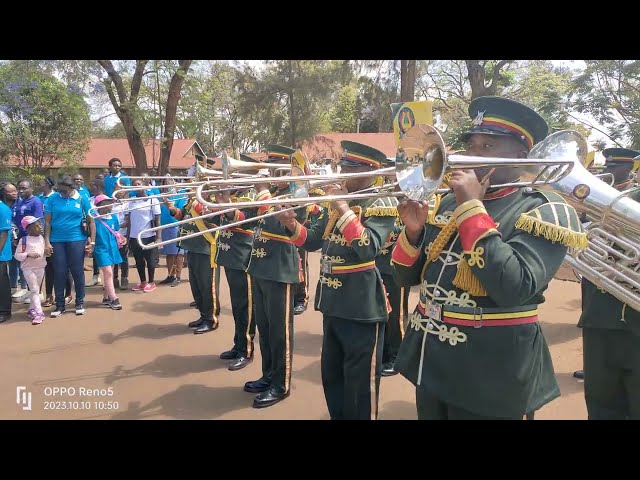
(143, 362)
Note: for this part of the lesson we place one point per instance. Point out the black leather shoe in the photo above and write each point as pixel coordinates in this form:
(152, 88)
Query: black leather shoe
(206, 327)
(268, 398)
(196, 323)
(192, 304)
(4, 318)
(257, 386)
(387, 370)
(298, 309)
(579, 374)
(229, 355)
(240, 363)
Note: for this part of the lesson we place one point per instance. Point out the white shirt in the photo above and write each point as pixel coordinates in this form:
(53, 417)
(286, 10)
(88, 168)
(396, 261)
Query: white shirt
(120, 209)
(142, 218)
(32, 245)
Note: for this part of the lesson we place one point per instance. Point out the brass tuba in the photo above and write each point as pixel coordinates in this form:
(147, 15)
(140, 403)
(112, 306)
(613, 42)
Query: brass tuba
(612, 259)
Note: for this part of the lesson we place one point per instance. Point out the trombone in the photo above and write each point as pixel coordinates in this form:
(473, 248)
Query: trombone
(421, 165)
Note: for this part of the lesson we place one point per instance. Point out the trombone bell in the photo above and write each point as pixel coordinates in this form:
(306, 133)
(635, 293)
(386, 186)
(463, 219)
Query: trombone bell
(422, 161)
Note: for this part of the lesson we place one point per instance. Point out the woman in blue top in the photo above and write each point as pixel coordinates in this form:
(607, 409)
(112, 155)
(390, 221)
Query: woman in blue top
(64, 214)
(175, 257)
(47, 186)
(5, 257)
(106, 252)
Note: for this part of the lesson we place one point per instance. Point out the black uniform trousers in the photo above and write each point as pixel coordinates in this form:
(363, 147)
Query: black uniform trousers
(301, 290)
(242, 308)
(202, 280)
(611, 374)
(399, 299)
(351, 365)
(273, 304)
(431, 407)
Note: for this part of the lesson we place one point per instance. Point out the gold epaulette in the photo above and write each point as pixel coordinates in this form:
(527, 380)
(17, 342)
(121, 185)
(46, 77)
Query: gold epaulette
(381, 212)
(382, 207)
(555, 221)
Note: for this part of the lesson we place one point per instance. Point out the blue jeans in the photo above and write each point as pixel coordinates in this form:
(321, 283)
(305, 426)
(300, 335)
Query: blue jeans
(15, 272)
(68, 256)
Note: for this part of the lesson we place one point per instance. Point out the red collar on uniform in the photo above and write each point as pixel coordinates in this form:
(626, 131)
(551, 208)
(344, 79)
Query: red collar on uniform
(501, 192)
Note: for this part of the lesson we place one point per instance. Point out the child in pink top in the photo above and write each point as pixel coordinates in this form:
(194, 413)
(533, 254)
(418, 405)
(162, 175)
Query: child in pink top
(30, 254)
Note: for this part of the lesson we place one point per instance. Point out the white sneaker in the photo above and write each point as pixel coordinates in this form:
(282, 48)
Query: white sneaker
(24, 298)
(19, 292)
(27, 299)
(95, 281)
(80, 310)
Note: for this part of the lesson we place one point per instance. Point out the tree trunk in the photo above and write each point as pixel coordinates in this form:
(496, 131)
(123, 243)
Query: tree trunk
(171, 109)
(407, 80)
(292, 119)
(477, 75)
(125, 107)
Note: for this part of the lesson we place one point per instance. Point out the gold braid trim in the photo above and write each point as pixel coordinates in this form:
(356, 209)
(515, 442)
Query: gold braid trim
(467, 281)
(464, 279)
(441, 240)
(381, 212)
(554, 233)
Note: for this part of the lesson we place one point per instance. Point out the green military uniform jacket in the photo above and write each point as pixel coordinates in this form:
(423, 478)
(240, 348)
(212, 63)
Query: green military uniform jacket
(197, 244)
(475, 356)
(273, 254)
(602, 310)
(383, 260)
(350, 285)
(234, 245)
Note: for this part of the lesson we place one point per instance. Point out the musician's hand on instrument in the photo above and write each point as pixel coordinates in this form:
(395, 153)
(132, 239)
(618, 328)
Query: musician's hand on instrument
(414, 215)
(465, 186)
(222, 197)
(262, 186)
(334, 190)
(287, 219)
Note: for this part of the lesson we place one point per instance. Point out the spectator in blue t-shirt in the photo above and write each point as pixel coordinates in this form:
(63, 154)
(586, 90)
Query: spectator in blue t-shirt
(27, 205)
(5, 257)
(79, 181)
(64, 215)
(115, 167)
(10, 195)
(47, 187)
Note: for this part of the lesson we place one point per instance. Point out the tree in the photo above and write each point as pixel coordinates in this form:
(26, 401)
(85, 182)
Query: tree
(291, 95)
(344, 113)
(41, 119)
(125, 103)
(609, 90)
(479, 72)
(378, 83)
(454, 84)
